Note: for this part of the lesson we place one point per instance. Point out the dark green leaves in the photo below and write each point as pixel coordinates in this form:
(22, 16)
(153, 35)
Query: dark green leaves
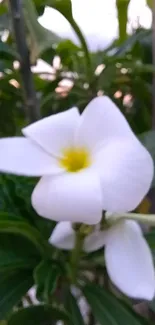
(6, 52)
(46, 277)
(107, 309)
(16, 252)
(13, 287)
(37, 315)
(150, 237)
(15, 198)
(19, 227)
(73, 309)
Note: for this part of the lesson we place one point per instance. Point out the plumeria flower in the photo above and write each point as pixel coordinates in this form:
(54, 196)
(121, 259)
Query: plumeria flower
(128, 258)
(87, 163)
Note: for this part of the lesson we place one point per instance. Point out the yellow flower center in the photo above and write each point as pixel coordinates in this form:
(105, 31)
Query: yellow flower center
(75, 159)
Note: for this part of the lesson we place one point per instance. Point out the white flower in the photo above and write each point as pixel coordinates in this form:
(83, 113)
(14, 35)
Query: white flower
(127, 255)
(87, 163)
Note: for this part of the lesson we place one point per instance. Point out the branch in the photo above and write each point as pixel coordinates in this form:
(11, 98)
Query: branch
(31, 102)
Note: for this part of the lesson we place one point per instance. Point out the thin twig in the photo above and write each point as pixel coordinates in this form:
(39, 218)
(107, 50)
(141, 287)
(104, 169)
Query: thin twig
(32, 108)
(153, 62)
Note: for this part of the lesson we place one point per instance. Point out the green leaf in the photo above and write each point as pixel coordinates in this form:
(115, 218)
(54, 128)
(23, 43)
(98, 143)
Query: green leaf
(122, 11)
(3, 8)
(107, 309)
(148, 140)
(150, 237)
(73, 309)
(46, 276)
(6, 51)
(38, 315)
(130, 42)
(15, 194)
(13, 287)
(68, 46)
(10, 225)
(17, 252)
(64, 7)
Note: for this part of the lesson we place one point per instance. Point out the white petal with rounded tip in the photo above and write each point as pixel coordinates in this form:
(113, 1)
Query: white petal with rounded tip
(101, 122)
(126, 171)
(74, 197)
(129, 262)
(95, 241)
(63, 235)
(20, 156)
(54, 133)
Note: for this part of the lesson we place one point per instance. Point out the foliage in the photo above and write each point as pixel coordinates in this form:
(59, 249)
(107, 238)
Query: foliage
(26, 257)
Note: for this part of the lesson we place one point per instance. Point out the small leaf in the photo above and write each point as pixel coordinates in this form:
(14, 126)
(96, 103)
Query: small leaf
(13, 287)
(107, 309)
(37, 315)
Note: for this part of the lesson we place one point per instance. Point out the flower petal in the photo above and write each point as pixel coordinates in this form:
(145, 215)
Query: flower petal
(74, 197)
(54, 133)
(63, 235)
(101, 122)
(95, 241)
(126, 171)
(129, 261)
(20, 156)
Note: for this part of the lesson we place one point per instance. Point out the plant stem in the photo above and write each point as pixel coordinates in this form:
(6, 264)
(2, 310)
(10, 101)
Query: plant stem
(148, 219)
(85, 48)
(32, 108)
(75, 256)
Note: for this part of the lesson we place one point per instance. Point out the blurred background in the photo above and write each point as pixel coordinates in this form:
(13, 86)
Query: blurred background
(97, 47)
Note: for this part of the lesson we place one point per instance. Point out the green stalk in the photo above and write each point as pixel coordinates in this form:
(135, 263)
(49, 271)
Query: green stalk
(75, 256)
(148, 219)
(85, 47)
